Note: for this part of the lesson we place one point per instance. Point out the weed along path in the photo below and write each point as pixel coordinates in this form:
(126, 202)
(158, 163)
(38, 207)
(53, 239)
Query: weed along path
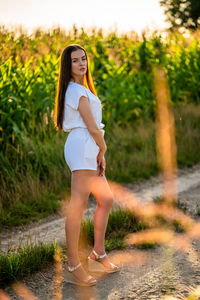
(51, 228)
(165, 269)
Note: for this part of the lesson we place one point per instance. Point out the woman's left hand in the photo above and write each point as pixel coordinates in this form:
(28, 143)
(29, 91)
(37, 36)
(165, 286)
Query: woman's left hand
(102, 167)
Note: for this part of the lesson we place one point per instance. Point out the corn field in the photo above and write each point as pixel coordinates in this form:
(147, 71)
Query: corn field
(121, 67)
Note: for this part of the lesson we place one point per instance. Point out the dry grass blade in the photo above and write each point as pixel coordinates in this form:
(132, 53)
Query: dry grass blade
(58, 274)
(165, 134)
(4, 296)
(23, 292)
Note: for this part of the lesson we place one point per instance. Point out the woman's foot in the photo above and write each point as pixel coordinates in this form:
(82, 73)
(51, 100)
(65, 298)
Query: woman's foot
(103, 259)
(80, 275)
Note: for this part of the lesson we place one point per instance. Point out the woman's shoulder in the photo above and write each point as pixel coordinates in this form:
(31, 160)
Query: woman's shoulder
(73, 86)
(73, 93)
(75, 89)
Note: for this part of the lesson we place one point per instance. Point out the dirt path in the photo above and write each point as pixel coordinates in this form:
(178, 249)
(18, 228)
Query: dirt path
(152, 273)
(49, 229)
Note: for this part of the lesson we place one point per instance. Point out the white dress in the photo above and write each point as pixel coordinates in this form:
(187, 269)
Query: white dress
(80, 150)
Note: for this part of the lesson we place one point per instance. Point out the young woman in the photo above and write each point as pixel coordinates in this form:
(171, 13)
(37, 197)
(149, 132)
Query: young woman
(78, 111)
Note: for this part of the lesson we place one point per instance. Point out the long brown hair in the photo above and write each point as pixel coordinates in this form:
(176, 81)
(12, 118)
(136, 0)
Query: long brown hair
(63, 81)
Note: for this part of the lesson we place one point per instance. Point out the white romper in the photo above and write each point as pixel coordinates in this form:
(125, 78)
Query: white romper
(80, 150)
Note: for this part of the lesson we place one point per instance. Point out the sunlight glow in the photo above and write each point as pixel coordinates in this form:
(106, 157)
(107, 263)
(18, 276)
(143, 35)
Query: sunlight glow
(121, 16)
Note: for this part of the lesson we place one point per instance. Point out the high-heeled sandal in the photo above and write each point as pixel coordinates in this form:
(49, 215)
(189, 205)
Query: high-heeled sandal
(70, 278)
(97, 266)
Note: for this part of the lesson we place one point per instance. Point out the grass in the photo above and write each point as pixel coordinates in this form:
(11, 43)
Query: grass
(177, 203)
(37, 191)
(198, 211)
(120, 223)
(131, 156)
(146, 245)
(24, 261)
(187, 123)
(175, 224)
(22, 213)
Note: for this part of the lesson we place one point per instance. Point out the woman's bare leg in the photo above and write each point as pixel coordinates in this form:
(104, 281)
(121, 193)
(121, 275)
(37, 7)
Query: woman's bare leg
(80, 190)
(105, 199)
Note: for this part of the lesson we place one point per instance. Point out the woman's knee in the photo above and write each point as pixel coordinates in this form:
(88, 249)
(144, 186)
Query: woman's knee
(106, 202)
(77, 207)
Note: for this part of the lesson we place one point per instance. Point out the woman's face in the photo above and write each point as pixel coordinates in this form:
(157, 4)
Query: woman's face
(78, 63)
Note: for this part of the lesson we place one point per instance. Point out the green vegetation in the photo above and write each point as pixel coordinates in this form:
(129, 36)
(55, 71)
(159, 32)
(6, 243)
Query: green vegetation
(198, 210)
(146, 245)
(121, 67)
(33, 210)
(34, 176)
(120, 223)
(182, 13)
(24, 261)
(175, 224)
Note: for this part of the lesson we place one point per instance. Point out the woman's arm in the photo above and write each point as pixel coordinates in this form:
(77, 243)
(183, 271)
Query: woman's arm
(87, 115)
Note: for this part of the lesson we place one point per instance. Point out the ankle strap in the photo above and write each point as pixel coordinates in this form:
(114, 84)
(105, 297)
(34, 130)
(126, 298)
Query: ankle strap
(97, 256)
(71, 269)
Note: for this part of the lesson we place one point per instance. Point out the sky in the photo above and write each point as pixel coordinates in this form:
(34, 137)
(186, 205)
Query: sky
(123, 15)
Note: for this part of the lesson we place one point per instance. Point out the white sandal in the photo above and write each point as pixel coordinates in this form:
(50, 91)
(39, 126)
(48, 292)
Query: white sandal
(70, 278)
(97, 266)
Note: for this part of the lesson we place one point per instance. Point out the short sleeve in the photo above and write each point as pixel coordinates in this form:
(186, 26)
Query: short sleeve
(73, 95)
